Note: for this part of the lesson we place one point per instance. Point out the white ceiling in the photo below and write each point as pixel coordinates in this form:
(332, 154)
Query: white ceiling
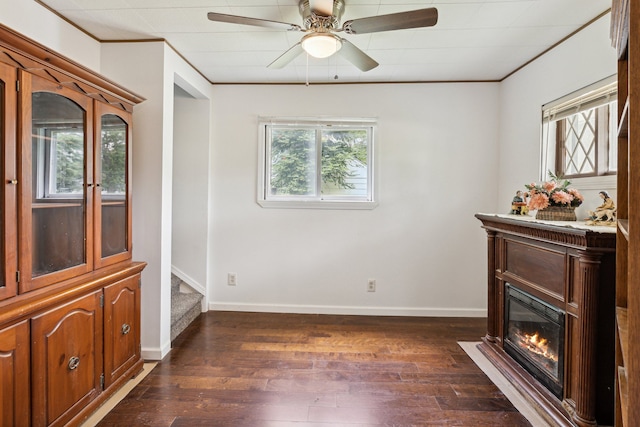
(473, 39)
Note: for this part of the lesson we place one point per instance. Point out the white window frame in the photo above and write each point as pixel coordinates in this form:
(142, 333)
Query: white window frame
(45, 174)
(297, 202)
(598, 93)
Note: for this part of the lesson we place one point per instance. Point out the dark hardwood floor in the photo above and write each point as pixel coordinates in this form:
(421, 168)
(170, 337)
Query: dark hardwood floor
(256, 369)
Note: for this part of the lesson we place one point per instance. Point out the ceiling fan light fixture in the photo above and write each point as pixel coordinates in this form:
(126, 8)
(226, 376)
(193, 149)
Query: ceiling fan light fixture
(321, 45)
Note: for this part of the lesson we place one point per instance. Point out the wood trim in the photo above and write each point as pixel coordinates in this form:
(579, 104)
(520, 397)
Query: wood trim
(31, 303)
(573, 237)
(9, 77)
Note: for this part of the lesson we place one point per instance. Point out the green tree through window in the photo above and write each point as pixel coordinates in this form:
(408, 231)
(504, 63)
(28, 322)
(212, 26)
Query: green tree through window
(294, 161)
(69, 161)
(113, 155)
(343, 153)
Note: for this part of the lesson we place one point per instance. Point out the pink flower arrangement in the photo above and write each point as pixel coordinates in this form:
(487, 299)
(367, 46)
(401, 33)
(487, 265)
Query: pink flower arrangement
(555, 192)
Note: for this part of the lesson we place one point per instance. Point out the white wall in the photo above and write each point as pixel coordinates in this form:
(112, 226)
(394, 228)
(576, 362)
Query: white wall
(38, 23)
(578, 62)
(437, 166)
(153, 69)
(190, 215)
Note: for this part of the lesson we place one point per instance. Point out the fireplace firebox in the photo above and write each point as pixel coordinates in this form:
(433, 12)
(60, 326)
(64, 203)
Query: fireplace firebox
(534, 336)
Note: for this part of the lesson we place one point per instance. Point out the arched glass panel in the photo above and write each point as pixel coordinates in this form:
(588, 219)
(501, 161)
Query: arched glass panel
(113, 183)
(59, 175)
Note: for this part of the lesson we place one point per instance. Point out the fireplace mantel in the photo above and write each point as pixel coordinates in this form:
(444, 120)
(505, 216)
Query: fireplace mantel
(569, 265)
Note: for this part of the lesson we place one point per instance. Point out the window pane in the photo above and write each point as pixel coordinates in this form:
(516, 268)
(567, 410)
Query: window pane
(344, 163)
(580, 143)
(292, 162)
(113, 184)
(67, 157)
(58, 205)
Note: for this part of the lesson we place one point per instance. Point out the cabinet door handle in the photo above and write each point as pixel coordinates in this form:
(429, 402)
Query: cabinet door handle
(13, 181)
(73, 363)
(125, 329)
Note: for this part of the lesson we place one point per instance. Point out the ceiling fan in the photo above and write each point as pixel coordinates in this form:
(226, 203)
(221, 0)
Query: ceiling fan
(321, 20)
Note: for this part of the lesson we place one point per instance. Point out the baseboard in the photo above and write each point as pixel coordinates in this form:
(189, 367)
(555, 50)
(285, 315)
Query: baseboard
(155, 353)
(345, 310)
(188, 280)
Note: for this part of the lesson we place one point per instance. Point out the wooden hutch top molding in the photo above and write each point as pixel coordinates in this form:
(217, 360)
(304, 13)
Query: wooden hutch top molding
(24, 53)
(574, 234)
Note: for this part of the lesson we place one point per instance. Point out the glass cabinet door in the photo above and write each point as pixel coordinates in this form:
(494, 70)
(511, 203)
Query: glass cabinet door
(8, 190)
(113, 133)
(57, 144)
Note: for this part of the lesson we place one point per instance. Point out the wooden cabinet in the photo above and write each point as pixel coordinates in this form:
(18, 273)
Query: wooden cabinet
(56, 159)
(69, 290)
(67, 359)
(14, 375)
(121, 328)
(625, 32)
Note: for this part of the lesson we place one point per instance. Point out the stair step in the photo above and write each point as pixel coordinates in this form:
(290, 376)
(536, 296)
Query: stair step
(185, 307)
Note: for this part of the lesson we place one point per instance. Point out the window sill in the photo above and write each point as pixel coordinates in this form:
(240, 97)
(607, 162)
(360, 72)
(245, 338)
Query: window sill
(315, 204)
(605, 182)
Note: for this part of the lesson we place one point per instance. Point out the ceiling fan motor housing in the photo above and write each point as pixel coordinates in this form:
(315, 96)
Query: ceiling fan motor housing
(313, 21)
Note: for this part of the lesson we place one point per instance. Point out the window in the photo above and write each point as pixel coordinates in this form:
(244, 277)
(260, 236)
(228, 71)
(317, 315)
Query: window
(317, 163)
(579, 133)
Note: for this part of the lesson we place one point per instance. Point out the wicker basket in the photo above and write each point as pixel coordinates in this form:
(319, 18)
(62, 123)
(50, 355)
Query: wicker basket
(557, 213)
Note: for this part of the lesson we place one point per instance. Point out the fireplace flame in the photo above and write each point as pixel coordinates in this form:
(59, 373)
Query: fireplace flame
(537, 345)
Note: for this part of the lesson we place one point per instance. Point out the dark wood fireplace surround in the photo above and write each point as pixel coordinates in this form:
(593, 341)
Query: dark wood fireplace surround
(570, 268)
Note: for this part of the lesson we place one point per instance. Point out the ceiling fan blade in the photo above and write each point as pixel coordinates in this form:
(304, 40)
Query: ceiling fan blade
(287, 57)
(351, 53)
(394, 21)
(243, 20)
(321, 7)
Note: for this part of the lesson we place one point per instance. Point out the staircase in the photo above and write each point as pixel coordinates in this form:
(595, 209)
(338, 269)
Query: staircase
(186, 305)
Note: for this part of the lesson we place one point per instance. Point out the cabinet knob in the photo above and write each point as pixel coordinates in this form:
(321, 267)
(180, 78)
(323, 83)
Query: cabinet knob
(13, 181)
(125, 329)
(73, 363)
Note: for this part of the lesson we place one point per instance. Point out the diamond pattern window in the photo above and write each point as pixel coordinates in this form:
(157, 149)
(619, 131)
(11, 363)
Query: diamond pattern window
(579, 133)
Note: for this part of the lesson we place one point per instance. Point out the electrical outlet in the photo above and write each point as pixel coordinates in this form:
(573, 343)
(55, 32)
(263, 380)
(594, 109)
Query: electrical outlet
(371, 285)
(232, 279)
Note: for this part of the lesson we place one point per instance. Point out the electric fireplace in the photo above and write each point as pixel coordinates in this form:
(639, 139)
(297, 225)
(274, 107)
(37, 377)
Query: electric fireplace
(534, 336)
(551, 315)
